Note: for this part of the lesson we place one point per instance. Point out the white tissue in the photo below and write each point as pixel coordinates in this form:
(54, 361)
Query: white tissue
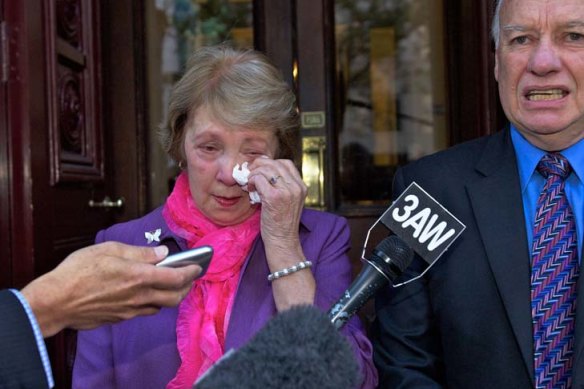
(240, 175)
(254, 197)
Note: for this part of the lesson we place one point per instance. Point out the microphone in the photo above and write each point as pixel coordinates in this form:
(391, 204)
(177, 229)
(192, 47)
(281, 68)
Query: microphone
(388, 261)
(298, 348)
(420, 224)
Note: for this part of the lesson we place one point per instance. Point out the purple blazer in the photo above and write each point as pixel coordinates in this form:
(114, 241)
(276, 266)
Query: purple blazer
(141, 353)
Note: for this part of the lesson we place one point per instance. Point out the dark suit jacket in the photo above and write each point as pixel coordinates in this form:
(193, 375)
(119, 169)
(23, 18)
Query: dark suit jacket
(20, 361)
(467, 323)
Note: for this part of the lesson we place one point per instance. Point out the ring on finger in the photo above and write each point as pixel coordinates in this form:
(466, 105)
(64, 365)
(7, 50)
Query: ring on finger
(274, 179)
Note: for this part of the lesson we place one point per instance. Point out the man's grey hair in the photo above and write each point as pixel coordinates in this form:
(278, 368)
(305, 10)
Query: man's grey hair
(496, 26)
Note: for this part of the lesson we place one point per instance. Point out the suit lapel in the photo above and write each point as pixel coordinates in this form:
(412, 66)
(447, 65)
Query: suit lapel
(497, 204)
(578, 368)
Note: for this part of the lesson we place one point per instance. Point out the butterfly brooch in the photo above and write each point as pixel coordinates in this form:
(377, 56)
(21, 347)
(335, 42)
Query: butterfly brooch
(153, 236)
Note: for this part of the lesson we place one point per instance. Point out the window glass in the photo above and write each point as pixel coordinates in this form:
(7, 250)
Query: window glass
(390, 86)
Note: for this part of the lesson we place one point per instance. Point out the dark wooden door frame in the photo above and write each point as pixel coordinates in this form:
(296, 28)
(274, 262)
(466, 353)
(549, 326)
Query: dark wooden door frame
(16, 159)
(125, 101)
(274, 33)
(474, 108)
(5, 185)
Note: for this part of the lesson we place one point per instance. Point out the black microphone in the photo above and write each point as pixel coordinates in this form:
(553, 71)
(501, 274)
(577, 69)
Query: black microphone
(298, 348)
(388, 261)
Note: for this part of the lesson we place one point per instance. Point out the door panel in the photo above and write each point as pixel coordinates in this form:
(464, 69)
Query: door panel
(62, 143)
(74, 140)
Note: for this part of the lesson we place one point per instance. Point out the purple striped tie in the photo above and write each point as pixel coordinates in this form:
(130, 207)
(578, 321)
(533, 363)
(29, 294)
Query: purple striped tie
(553, 277)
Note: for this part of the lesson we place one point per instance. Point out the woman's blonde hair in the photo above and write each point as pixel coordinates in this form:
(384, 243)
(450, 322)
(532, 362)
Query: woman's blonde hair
(240, 89)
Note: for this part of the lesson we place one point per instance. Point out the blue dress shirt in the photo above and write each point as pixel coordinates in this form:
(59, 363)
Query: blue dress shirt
(38, 337)
(532, 182)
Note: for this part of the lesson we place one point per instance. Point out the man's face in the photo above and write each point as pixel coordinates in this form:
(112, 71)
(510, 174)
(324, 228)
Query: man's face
(540, 70)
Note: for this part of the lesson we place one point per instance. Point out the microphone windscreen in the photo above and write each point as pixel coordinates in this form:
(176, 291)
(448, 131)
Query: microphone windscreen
(400, 253)
(298, 348)
(392, 256)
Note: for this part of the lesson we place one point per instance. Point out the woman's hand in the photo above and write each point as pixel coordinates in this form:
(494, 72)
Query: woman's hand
(282, 192)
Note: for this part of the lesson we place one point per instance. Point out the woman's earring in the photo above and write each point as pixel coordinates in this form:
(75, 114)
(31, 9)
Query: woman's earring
(181, 165)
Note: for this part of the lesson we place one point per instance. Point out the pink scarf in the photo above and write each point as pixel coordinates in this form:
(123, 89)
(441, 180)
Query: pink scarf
(203, 315)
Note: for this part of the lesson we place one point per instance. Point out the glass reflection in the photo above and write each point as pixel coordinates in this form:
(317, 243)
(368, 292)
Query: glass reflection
(391, 91)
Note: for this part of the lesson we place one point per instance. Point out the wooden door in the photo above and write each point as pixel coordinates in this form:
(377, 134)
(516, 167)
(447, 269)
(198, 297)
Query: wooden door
(71, 123)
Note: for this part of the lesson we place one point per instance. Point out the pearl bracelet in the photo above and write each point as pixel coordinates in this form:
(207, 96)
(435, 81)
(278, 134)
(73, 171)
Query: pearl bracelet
(293, 269)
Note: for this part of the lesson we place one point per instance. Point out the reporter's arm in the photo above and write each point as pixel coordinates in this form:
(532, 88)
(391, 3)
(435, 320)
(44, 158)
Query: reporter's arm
(21, 358)
(106, 283)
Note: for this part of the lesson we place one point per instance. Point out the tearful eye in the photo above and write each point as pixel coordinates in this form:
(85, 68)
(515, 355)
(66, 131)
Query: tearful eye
(208, 148)
(575, 37)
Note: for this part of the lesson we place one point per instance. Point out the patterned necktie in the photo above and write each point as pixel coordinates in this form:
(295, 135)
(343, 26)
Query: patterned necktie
(553, 277)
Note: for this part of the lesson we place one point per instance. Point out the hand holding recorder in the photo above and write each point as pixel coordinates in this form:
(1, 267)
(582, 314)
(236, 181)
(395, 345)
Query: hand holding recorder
(107, 283)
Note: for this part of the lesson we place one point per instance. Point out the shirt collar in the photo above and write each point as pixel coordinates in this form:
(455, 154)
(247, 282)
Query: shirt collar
(528, 156)
(531, 155)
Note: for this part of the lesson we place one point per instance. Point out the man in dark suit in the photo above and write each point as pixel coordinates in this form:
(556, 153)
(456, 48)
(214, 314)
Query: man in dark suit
(103, 283)
(475, 319)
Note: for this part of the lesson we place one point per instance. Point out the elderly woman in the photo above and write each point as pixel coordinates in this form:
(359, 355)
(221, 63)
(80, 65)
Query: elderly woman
(230, 108)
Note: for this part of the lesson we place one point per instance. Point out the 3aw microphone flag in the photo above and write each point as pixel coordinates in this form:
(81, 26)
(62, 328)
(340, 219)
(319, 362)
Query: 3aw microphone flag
(423, 223)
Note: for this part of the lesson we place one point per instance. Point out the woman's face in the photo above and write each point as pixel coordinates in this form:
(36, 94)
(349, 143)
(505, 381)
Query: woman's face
(211, 152)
